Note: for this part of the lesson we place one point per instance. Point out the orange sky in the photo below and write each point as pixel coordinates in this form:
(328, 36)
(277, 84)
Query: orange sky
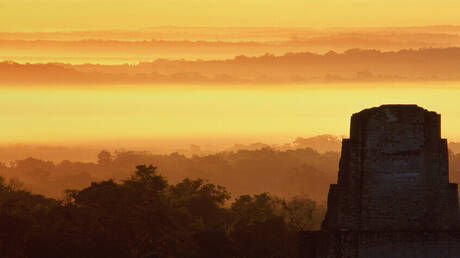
(58, 116)
(49, 15)
(268, 115)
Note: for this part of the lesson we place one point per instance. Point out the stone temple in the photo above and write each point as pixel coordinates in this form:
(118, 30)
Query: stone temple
(393, 197)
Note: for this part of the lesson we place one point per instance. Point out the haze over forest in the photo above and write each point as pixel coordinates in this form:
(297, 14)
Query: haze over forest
(204, 92)
(304, 167)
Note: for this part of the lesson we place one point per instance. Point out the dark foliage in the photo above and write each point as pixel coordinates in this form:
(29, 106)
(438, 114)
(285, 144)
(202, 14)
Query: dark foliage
(145, 216)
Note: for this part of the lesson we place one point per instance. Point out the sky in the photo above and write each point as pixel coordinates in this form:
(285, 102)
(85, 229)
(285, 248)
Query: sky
(58, 116)
(61, 15)
(55, 115)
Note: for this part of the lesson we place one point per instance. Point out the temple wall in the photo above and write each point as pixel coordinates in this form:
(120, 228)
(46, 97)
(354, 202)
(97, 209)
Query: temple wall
(381, 244)
(393, 197)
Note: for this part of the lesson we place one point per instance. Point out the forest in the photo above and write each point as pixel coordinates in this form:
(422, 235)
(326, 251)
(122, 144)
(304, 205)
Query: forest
(241, 203)
(284, 173)
(146, 216)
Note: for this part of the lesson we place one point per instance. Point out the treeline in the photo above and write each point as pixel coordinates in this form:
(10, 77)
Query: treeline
(355, 65)
(284, 173)
(146, 216)
(414, 34)
(57, 153)
(219, 42)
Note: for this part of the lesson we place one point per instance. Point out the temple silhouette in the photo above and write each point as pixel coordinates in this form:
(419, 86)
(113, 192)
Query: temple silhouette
(393, 197)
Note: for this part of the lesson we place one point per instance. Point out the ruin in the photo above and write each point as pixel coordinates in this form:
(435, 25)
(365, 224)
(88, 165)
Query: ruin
(393, 197)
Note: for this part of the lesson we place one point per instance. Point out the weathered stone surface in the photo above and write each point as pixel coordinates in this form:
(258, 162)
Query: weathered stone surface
(393, 197)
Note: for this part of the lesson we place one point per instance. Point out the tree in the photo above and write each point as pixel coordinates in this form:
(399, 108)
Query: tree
(104, 158)
(298, 212)
(258, 231)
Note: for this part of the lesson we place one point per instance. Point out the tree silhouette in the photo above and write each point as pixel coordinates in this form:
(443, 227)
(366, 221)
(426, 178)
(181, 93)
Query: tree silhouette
(145, 216)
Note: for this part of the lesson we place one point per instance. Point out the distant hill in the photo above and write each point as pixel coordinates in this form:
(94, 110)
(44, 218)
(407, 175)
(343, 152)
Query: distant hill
(355, 65)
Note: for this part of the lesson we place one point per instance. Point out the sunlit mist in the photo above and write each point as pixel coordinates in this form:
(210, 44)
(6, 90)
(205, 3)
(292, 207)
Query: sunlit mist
(60, 115)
